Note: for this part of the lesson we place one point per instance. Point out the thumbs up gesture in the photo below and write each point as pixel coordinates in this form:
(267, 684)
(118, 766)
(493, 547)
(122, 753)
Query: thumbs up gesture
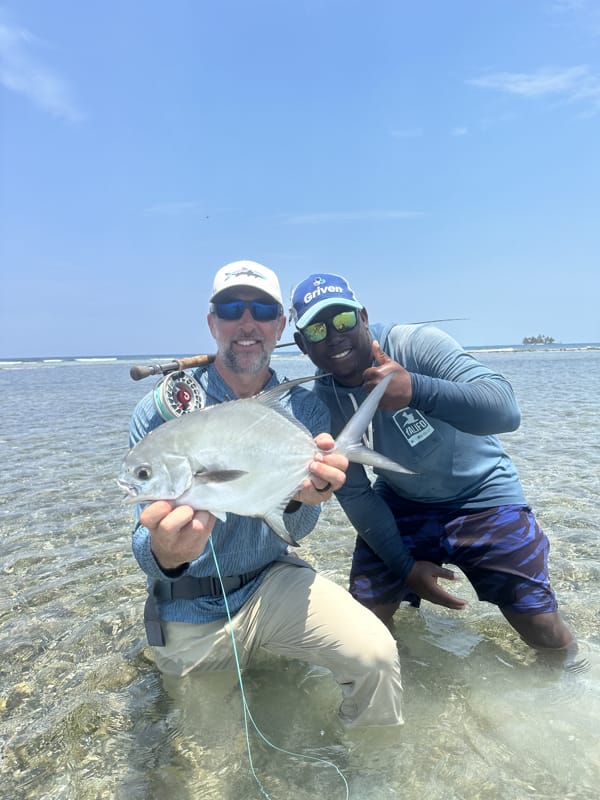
(399, 391)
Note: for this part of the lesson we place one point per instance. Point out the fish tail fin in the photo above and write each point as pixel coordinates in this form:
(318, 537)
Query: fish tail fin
(349, 440)
(360, 454)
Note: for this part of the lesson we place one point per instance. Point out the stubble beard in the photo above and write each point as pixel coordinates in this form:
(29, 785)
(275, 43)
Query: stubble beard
(245, 363)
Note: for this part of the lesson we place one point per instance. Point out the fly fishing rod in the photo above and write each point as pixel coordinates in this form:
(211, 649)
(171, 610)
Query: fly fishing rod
(178, 392)
(139, 371)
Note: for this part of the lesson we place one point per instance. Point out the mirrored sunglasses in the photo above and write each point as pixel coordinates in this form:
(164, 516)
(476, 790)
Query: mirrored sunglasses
(234, 309)
(342, 322)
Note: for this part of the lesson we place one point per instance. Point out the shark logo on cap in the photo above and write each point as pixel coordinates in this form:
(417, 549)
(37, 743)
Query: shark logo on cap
(244, 271)
(250, 274)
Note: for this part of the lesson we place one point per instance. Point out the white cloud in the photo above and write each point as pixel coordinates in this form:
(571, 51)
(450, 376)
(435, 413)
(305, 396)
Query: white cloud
(573, 84)
(351, 216)
(535, 84)
(21, 73)
(460, 131)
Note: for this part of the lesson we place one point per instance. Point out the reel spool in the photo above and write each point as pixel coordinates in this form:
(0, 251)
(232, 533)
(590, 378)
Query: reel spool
(177, 394)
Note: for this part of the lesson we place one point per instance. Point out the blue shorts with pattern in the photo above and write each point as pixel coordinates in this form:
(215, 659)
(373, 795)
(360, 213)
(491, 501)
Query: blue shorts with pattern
(502, 551)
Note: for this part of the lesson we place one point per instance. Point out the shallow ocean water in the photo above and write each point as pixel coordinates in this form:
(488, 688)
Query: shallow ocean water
(85, 715)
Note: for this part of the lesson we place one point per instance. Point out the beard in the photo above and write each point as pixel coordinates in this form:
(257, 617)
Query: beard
(245, 363)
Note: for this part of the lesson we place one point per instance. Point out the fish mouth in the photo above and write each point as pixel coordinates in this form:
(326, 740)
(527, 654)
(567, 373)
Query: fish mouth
(131, 491)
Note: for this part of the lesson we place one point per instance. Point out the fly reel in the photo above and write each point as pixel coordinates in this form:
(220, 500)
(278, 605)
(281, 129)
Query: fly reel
(177, 394)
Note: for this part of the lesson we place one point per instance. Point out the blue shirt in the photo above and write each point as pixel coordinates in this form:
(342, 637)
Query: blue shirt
(447, 437)
(242, 544)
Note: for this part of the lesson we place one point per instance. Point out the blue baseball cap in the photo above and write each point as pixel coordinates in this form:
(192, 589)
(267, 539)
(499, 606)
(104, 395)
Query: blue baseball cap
(318, 292)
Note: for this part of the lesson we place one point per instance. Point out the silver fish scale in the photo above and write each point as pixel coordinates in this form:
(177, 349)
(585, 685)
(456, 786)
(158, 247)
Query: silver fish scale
(247, 457)
(244, 435)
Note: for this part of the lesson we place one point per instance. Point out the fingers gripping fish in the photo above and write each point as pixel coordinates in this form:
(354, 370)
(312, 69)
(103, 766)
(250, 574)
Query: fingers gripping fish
(245, 457)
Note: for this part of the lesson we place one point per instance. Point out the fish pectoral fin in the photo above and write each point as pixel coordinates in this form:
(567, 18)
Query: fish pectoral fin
(218, 475)
(275, 521)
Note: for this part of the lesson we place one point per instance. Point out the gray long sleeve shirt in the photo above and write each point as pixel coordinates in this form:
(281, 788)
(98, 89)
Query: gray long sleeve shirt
(447, 437)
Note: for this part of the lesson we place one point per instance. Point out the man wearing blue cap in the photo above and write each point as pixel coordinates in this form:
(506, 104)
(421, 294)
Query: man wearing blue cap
(439, 417)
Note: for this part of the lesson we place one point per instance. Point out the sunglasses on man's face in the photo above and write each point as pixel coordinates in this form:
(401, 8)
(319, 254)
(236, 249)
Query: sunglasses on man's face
(342, 322)
(234, 309)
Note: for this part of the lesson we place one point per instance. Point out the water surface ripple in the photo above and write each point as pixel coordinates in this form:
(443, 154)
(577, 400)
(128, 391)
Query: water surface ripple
(84, 714)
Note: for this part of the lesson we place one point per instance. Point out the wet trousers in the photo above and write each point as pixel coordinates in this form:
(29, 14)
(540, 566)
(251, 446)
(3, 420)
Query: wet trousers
(298, 614)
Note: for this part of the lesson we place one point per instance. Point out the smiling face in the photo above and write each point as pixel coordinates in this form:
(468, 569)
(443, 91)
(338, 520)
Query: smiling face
(245, 344)
(345, 353)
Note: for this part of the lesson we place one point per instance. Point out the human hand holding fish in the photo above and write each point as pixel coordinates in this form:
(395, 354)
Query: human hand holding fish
(246, 456)
(178, 534)
(328, 473)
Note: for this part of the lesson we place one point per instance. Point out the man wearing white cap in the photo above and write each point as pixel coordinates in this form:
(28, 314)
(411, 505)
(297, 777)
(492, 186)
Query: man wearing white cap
(276, 600)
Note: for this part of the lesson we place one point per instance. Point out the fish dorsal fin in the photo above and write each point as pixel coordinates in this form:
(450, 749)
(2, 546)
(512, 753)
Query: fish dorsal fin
(271, 398)
(276, 391)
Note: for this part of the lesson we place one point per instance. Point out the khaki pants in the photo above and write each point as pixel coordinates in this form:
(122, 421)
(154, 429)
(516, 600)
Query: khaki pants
(298, 614)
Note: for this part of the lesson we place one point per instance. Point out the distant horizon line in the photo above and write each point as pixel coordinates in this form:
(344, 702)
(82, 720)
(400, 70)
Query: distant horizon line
(152, 356)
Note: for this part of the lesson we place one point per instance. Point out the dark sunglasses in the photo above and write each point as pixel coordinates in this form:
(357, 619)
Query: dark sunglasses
(234, 309)
(342, 322)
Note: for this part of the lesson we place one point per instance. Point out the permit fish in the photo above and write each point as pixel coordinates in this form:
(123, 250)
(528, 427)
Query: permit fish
(246, 457)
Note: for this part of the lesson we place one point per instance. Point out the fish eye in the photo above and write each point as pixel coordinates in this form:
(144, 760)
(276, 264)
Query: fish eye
(143, 472)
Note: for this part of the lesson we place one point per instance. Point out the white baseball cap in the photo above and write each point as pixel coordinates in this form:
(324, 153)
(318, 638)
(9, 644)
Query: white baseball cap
(247, 273)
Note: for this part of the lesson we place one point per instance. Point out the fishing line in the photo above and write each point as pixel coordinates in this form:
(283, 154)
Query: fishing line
(246, 709)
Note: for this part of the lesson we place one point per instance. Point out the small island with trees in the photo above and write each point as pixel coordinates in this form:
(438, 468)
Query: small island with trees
(540, 344)
(539, 339)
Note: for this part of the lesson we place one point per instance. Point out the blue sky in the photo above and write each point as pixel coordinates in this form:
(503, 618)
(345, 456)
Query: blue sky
(444, 156)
